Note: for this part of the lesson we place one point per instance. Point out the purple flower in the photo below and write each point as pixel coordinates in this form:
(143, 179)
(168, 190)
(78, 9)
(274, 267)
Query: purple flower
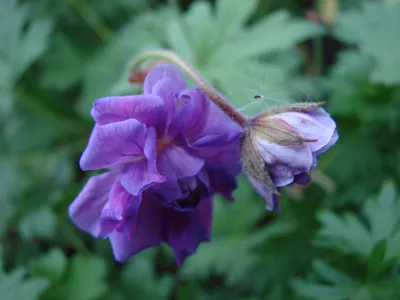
(167, 153)
(133, 223)
(287, 144)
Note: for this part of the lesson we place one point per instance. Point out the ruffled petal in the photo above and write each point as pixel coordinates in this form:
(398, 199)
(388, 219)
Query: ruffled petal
(118, 209)
(184, 231)
(139, 175)
(177, 162)
(147, 109)
(270, 198)
(150, 152)
(191, 113)
(162, 89)
(168, 191)
(145, 228)
(113, 144)
(164, 71)
(86, 208)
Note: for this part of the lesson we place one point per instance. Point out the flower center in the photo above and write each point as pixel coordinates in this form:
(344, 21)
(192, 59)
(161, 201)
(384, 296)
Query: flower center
(162, 144)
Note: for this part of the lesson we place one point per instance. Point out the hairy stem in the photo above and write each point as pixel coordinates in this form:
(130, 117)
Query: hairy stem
(206, 87)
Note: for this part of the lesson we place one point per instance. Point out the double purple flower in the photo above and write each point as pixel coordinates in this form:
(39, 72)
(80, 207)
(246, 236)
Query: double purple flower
(166, 153)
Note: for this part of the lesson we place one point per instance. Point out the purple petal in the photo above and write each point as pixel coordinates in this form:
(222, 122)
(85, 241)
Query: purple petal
(139, 175)
(216, 140)
(205, 213)
(113, 144)
(190, 113)
(185, 194)
(222, 183)
(325, 148)
(147, 109)
(145, 228)
(163, 89)
(312, 126)
(136, 177)
(169, 190)
(298, 157)
(86, 208)
(218, 123)
(117, 209)
(177, 162)
(163, 71)
(150, 151)
(184, 231)
(270, 198)
(282, 175)
(321, 115)
(302, 179)
(225, 157)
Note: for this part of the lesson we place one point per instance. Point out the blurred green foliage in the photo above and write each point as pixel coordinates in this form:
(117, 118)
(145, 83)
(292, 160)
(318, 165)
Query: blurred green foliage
(339, 238)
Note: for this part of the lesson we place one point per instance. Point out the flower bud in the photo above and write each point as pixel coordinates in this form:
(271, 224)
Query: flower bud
(281, 145)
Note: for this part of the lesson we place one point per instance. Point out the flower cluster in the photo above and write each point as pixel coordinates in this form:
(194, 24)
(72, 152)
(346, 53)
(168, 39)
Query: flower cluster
(166, 153)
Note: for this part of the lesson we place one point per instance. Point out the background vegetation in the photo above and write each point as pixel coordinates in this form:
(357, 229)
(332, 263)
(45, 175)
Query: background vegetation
(339, 238)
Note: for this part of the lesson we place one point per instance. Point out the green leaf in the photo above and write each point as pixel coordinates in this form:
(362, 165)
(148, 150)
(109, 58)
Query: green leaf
(64, 65)
(51, 265)
(191, 290)
(221, 256)
(139, 278)
(24, 41)
(36, 40)
(86, 278)
(40, 138)
(193, 35)
(229, 53)
(347, 233)
(13, 286)
(9, 174)
(322, 291)
(231, 229)
(331, 274)
(375, 239)
(383, 213)
(276, 32)
(104, 70)
(235, 219)
(23, 46)
(1, 262)
(376, 258)
(40, 223)
(232, 16)
(374, 30)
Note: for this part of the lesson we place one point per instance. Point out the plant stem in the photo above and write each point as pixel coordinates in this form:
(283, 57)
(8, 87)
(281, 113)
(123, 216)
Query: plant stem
(206, 87)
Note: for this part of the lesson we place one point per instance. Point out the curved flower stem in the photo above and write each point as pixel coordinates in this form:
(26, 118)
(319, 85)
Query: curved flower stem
(207, 88)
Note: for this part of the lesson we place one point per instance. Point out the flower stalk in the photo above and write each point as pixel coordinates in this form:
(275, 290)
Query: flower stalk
(206, 87)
